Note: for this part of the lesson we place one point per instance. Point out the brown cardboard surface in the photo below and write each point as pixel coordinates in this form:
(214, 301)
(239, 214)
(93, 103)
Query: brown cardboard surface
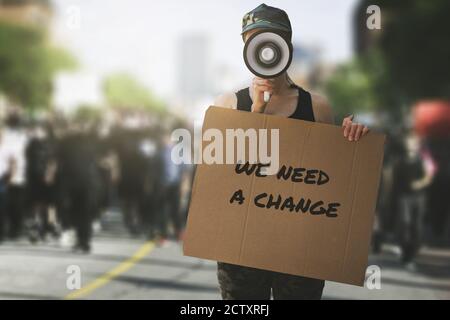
(317, 246)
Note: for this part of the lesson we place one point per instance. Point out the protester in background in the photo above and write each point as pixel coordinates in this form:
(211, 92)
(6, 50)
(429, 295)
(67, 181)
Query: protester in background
(289, 100)
(437, 150)
(78, 184)
(40, 183)
(171, 187)
(14, 143)
(151, 209)
(132, 171)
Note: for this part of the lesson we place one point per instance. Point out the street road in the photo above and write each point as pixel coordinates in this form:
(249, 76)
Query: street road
(121, 267)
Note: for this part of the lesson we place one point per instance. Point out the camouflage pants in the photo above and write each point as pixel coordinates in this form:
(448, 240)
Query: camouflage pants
(243, 283)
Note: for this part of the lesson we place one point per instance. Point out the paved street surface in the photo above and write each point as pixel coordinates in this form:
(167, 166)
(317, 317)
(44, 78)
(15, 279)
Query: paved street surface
(162, 272)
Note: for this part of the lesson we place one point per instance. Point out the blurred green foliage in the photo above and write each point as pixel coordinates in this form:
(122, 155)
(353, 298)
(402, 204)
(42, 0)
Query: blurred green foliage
(350, 89)
(415, 43)
(363, 85)
(28, 64)
(407, 61)
(87, 113)
(122, 90)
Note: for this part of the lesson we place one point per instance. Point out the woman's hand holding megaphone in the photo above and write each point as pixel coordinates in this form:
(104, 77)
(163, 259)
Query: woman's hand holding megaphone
(259, 86)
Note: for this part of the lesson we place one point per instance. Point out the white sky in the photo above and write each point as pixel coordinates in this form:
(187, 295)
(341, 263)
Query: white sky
(140, 36)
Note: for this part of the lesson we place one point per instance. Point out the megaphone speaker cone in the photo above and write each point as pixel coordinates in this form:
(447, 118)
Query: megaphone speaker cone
(267, 54)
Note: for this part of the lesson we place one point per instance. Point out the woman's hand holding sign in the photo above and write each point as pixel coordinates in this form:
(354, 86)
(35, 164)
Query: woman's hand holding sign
(353, 131)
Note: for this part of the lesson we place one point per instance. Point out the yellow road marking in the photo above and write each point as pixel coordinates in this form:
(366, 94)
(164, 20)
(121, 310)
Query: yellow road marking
(145, 249)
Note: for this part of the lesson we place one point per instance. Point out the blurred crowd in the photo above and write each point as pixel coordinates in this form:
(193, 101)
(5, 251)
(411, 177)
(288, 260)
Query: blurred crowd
(60, 175)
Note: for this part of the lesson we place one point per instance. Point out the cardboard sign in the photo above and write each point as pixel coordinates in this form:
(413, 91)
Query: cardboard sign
(313, 218)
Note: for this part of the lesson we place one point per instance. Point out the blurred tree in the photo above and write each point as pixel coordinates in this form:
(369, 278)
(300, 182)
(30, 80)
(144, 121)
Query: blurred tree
(123, 91)
(350, 89)
(414, 43)
(363, 85)
(28, 64)
(407, 60)
(88, 113)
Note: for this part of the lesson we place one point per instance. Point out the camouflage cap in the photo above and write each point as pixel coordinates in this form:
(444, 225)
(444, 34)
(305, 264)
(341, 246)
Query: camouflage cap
(266, 17)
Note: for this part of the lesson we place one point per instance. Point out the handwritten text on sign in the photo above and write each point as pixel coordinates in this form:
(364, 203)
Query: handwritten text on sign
(288, 203)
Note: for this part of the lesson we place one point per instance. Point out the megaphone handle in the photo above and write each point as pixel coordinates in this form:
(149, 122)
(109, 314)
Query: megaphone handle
(266, 96)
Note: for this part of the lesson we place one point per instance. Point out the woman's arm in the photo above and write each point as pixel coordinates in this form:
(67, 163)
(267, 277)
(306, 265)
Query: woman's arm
(322, 109)
(226, 100)
(324, 114)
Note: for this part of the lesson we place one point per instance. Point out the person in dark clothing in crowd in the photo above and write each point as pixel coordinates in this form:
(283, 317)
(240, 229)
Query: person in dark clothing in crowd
(150, 210)
(106, 168)
(170, 192)
(289, 100)
(108, 176)
(40, 183)
(391, 187)
(78, 185)
(132, 167)
(407, 209)
(438, 205)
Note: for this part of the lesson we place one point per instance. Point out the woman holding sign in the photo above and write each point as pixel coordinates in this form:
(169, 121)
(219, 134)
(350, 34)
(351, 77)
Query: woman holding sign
(267, 34)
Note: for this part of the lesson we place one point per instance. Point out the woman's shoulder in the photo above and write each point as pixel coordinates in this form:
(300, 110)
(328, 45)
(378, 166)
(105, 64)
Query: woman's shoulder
(226, 100)
(321, 108)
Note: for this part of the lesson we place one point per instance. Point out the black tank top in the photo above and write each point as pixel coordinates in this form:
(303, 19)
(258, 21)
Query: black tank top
(303, 111)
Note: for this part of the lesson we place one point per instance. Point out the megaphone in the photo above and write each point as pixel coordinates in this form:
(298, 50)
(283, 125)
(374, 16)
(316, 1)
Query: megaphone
(267, 54)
